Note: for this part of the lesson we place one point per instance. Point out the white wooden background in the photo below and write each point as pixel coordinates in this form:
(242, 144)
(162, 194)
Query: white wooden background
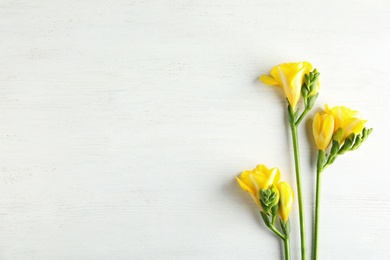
(124, 123)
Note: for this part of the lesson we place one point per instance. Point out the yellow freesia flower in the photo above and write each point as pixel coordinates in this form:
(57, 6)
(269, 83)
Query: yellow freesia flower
(347, 119)
(289, 76)
(260, 178)
(323, 129)
(285, 200)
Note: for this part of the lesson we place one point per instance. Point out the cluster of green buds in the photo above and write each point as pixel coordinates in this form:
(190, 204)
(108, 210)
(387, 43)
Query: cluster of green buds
(276, 202)
(310, 89)
(269, 201)
(340, 146)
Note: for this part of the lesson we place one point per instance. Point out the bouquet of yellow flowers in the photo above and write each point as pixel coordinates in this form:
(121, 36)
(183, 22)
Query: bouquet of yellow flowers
(335, 130)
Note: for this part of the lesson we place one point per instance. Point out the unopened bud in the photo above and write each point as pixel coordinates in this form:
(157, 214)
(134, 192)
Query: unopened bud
(335, 148)
(311, 100)
(269, 198)
(304, 91)
(348, 143)
(338, 135)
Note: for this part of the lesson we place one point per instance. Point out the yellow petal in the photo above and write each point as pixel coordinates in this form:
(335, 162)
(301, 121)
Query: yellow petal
(258, 180)
(275, 73)
(268, 80)
(244, 186)
(247, 181)
(285, 201)
(255, 197)
(327, 132)
(308, 66)
(317, 127)
(273, 177)
(295, 86)
(341, 114)
(352, 125)
(261, 168)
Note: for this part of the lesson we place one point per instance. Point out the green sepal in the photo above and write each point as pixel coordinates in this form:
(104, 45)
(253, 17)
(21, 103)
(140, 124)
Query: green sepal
(285, 226)
(291, 114)
(321, 159)
(265, 218)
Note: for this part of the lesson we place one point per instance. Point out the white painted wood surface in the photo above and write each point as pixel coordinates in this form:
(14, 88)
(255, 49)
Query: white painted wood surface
(124, 123)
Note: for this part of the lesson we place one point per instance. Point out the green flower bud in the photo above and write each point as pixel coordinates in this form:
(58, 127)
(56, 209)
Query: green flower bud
(331, 160)
(338, 135)
(348, 143)
(307, 79)
(335, 148)
(366, 132)
(358, 142)
(311, 100)
(304, 91)
(269, 198)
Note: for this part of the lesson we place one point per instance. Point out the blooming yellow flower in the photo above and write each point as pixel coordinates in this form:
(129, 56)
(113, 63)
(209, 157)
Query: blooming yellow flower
(285, 200)
(289, 76)
(260, 178)
(346, 119)
(323, 129)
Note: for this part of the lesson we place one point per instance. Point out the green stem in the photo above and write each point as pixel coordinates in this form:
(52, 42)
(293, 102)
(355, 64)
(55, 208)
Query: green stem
(286, 243)
(299, 189)
(277, 232)
(302, 116)
(317, 214)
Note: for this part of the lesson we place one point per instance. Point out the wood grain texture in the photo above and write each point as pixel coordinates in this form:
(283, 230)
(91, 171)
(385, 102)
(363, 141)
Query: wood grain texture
(123, 124)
